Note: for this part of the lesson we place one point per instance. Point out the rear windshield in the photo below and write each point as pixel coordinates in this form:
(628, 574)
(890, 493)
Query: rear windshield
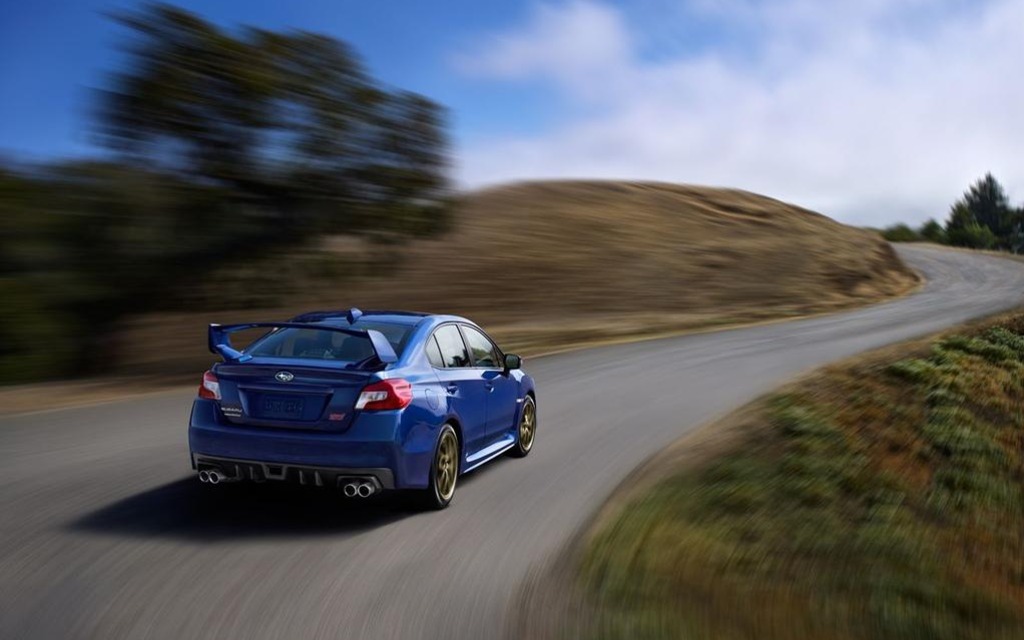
(320, 344)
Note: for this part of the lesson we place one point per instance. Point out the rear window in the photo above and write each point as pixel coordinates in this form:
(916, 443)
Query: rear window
(453, 349)
(320, 344)
(434, 353)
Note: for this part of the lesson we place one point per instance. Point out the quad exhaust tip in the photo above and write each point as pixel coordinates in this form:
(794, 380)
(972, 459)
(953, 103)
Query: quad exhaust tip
(211, 476)
(353, 489)
(358, 489)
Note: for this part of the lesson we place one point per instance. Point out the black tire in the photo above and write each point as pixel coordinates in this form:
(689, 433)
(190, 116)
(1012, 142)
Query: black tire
(526, 434)
(444, 471)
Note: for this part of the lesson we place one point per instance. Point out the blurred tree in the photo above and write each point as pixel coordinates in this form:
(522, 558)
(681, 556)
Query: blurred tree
(289, 124)
(225, 146)
(101, 241)
(974, 236)
(932, 231)
(960, 217)
(1016, 239)
(33, 338)
(985, 203)
(900, 233)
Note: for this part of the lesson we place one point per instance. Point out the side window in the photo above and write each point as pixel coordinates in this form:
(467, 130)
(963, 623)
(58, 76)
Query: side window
(484, 352)
(434, 353)
(453, 349)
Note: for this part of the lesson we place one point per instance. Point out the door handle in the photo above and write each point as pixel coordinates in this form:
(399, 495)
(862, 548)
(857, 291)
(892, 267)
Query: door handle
(452, 388)
(489, 386)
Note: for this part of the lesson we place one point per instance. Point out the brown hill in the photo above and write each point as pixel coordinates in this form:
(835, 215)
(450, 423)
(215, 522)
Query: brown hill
(545, 265)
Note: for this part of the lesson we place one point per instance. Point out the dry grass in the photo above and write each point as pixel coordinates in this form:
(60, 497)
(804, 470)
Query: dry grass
(551, 265)
(880, 498)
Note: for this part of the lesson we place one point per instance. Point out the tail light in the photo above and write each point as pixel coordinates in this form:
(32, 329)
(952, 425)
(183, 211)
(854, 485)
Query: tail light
(210, 387)
(386, 394)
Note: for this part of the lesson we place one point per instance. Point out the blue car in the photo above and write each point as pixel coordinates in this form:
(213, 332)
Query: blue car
(361, 402)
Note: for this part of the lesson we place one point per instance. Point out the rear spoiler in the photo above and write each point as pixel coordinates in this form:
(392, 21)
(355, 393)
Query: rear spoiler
(219, 338)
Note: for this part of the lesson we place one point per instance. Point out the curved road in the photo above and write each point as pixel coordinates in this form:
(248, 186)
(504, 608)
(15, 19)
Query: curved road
(104, 534)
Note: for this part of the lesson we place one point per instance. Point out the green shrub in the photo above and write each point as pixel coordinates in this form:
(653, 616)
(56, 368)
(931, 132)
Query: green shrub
(932, 231)
(993, 352)
(972, 236)
(901, 233)
(914, 370)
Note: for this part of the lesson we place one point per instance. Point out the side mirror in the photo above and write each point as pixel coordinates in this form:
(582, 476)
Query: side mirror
(512, 361)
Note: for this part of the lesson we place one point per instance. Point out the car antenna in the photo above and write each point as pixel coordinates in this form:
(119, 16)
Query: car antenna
(353, 315)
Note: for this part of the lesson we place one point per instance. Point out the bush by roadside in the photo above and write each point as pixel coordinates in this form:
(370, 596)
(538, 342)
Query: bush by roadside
(981, 219)
(901, 233)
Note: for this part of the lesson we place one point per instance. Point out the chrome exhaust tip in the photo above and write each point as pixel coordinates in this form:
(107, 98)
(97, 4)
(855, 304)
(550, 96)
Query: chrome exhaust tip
(365, 490)
(351, 490)
(204, 476)
(215, 477)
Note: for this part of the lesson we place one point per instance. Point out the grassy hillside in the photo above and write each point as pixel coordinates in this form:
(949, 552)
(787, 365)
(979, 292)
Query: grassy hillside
(883, 498)
(586, 247)
(551, 264)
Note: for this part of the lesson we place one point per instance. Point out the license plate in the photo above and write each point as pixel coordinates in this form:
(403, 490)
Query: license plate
(277, 407)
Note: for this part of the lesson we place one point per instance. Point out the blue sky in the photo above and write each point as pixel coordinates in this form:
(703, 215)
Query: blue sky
(53, 52)
(869, 111)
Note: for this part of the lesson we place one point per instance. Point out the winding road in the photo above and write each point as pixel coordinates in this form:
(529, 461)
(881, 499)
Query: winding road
(105, 534)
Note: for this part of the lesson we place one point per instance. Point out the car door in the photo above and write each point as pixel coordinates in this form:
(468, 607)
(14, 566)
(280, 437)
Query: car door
(465, 387)
(502, 389)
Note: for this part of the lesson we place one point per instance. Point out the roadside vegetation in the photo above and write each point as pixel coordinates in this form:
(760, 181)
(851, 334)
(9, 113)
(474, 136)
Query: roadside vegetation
(879, 499)
(982, 219)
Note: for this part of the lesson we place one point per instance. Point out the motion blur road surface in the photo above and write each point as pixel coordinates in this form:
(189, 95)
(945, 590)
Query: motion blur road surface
(106, 534)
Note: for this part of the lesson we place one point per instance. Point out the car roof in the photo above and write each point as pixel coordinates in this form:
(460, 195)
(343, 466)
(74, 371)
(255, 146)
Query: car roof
(389, 316)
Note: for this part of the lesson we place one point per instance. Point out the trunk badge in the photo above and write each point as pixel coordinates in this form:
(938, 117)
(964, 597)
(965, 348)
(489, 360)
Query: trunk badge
(284, 376)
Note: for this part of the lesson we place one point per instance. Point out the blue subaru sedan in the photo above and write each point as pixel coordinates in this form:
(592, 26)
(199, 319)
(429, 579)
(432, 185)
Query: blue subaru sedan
(360, 402)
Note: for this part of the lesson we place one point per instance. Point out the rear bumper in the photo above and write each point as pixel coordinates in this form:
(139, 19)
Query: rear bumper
(260, 471)
(371, 447)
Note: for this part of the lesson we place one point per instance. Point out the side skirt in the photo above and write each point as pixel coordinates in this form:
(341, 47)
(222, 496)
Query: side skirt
(489, 453)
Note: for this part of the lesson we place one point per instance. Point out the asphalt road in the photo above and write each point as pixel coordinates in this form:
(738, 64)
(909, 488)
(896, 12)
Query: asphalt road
(104, 533)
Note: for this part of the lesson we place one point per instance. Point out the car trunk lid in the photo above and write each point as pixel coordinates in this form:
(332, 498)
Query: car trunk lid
(306, 397)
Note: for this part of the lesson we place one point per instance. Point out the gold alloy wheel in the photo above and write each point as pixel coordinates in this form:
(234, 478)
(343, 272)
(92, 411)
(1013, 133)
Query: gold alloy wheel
(527, 426)
(447, 465)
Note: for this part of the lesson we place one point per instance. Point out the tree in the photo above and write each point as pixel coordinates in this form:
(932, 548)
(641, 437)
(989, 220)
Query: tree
(960, 217)
(932, 231)
(900, 233)
(288, 124)
(1016, 238)
(988, 206)
(974, 236)
(101, 241)
(224, 145)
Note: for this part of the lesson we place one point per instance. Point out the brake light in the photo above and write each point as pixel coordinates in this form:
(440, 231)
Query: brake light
(210, 387)
(386, 394)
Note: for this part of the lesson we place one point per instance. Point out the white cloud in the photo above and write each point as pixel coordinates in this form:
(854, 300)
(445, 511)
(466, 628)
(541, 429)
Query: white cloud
(570, 44)
(870, 111)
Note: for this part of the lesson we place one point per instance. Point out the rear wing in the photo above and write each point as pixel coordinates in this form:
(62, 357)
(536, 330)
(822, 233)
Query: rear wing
(219, 338)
